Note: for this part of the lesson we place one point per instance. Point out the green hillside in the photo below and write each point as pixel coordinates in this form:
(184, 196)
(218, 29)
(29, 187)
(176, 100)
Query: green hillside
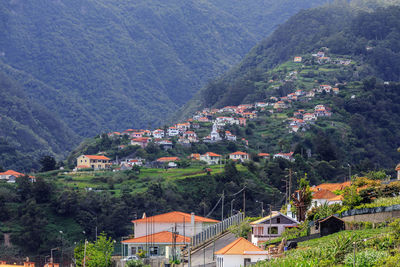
(28, 130)
(102, 65)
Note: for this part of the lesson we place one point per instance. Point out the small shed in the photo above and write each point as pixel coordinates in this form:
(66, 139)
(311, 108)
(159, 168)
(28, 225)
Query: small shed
(330, 225)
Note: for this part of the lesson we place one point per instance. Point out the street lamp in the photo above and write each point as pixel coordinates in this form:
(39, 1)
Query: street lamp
(262, 208)
(349, 172)
(232, 207)
(51, 254)
(62, 246)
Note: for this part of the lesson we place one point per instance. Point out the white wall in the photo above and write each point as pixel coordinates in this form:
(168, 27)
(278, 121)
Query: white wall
(237, 260)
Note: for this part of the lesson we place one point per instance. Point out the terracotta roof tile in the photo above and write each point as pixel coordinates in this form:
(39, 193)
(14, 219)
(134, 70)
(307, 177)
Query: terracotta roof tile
(175, 216)
(164, 237)
(96, 157)
(240, 246)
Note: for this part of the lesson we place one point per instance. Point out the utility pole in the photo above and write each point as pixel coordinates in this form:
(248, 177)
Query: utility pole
(270, 222)
(244, 201)
(84, 255)
(222, 211)
(232, 207)
(290, 184)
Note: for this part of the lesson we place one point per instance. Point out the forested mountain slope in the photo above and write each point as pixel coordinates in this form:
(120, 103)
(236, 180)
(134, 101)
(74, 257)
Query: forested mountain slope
(114, 58)
(343, 28)
(28, 130)
(98, 65)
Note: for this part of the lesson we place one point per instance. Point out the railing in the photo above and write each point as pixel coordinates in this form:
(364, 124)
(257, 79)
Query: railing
(216, 229)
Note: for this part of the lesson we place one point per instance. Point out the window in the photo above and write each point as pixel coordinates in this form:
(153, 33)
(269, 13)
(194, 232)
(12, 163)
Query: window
(153, 251)
(278, 220)
(273, 230)
(247, 262)
(133, 251)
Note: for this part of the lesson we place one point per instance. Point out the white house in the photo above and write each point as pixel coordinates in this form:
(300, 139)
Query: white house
(270, 227)
(324, 196)
(240, 156)
(240, 253)
(10, 176)
(211, 158)
(173, 131)
(214, 136)
(158, 133)
(287, 156)
(229, 136)
(159, 244)
(222, 121)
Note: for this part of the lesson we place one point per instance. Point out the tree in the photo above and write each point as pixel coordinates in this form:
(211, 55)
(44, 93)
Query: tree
(350, 197)
(48, 163)
(303, 200)
(98, 253)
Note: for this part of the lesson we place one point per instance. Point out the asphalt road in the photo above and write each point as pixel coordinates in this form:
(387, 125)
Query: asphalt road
(205, 256)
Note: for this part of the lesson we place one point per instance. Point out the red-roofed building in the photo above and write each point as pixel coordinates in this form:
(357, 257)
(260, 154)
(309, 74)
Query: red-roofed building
(140, 141)
(324, 196)
(168, 159)
(264, 155)
(240, 252)
(211, 158)
(239, 156)
(93, 161)
(11, 176)
(156, 232)
(157, 244)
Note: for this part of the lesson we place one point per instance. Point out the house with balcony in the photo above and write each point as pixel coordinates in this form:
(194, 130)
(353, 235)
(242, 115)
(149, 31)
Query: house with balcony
(211, 158)
(96, 162)
(157, 234)
(270, 227)
(239, 156)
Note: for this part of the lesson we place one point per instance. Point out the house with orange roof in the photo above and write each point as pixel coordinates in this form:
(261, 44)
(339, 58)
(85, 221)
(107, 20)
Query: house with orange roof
(240, 252)
(154, 234)
(324, 196)
(249, 115)
(95, 162)
(239, 156)
(167, 159)
(242, 121)
(297, 59)
(10, 176)
(398, 171)
(195, 156)
(140, 141)
(211, 158)
(158, 133)
(229, 136)
(270, 226)
(264, 155)
(162, 244)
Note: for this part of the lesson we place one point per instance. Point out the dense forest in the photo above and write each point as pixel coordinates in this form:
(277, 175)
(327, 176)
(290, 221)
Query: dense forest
(341, 27)
(28, 130)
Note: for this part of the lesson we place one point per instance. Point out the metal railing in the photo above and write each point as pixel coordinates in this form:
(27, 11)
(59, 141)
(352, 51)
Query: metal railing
(216, 229)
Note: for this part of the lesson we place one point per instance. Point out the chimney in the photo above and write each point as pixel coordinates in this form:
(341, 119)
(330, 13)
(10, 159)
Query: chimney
(192, 222)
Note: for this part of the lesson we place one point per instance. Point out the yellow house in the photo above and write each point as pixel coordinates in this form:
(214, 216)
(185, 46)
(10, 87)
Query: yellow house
(93, 161)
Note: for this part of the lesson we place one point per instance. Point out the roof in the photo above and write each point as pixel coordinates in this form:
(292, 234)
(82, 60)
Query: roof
(239, 153)
(274, 214)
(240, 246)
(324, 194)
(263, 154)
(331, 186)
(175, 216)
(329, 217)
(166, 159)
(11, 172)
(164, 237)
(96, 157)
(212, 154)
